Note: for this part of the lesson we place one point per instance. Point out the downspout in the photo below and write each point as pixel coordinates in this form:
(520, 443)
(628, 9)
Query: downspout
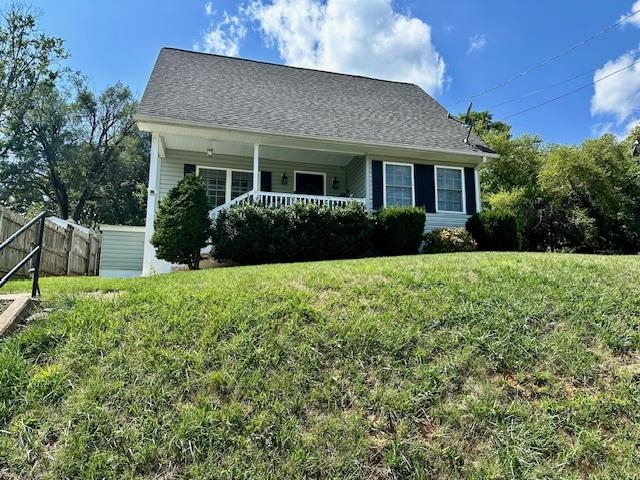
(476, 177)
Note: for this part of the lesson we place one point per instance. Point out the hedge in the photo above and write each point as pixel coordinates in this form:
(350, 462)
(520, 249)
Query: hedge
(399, 230)
(253, 234)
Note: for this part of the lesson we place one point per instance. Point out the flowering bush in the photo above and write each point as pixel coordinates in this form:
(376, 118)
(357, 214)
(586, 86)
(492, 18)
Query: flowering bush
(448, 240)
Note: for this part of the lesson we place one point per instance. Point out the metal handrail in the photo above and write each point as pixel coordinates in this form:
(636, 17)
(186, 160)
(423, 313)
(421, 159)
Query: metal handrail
(36, 251)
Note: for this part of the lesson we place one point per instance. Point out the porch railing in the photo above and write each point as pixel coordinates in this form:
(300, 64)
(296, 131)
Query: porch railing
(274, 200)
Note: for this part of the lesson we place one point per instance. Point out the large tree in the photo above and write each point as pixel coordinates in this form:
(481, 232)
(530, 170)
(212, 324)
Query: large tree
(28, 61)
(79, 154)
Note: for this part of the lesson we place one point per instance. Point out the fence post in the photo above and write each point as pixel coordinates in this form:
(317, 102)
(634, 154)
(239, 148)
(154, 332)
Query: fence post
(35, 287)
(90, 242)
(68, 245)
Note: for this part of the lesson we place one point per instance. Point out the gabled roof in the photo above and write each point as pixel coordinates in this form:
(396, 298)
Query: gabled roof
(246, 94)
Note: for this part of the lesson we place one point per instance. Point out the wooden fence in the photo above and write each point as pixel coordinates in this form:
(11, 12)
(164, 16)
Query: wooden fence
(66, 251)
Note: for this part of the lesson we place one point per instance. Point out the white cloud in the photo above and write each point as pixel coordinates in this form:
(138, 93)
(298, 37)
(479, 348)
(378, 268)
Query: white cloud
(208, 9)
(223, 37)
(476, 43)
(362, 37)
(618, 96)
(635, 20)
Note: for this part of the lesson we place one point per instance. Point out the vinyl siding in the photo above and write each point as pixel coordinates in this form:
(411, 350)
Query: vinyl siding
(445, 220)
(122, 250)
(434, 220)
(356, 177)
(172, 170)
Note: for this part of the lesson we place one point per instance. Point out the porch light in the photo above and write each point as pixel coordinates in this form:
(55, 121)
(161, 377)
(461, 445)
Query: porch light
(209, 152)
(284, 180)
(335, 183)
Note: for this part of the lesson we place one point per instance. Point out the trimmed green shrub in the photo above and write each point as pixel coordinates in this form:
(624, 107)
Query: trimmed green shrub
(399, 230)
(182, 226)
(448, 240)
(494, 230)
(253, 234)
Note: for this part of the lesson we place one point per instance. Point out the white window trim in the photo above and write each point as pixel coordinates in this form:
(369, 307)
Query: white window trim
(384, 182)
(229, 171)
(464, 190)
(324, 179)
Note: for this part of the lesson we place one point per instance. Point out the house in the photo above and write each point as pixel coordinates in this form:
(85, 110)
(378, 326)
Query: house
(256, 130)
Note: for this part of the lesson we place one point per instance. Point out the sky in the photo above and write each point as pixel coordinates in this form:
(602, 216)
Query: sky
(453, 50)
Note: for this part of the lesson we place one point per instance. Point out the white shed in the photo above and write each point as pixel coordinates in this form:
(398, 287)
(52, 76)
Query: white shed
(122, 251)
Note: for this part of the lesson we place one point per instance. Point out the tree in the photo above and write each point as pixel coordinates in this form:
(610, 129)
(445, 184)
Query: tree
(594, 191)
(27, 58)
(182, 226)
(78, 153)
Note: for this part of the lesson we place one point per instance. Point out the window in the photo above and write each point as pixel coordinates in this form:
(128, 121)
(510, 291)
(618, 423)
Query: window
(241, 182)
(223, 185)
(398, 184)
(450, 189)
(216, 182)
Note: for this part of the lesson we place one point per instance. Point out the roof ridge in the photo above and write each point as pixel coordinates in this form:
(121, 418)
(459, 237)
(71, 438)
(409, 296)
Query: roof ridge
(289, 66)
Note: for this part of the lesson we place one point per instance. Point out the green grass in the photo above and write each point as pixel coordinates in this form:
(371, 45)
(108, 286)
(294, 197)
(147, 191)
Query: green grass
(440, 366)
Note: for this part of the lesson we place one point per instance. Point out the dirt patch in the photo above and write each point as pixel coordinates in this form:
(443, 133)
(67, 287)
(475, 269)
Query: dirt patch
(4, 304)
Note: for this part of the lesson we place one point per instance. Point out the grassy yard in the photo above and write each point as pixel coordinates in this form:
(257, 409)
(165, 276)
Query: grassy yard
(440, 366)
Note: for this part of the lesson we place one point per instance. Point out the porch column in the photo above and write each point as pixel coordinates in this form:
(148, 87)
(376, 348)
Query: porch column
(150, 263)
(256, 173)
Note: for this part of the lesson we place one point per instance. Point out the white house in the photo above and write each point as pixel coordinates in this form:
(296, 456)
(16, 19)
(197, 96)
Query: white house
(279, 134)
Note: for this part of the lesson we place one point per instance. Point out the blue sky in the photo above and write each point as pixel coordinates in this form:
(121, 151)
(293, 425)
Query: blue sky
(452, 49)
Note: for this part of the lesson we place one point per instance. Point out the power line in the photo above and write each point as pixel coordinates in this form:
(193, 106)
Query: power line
(546, 62)
(571, 92)
(541, 89)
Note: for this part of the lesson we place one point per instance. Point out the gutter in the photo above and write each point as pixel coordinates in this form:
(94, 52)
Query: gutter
(361, 143)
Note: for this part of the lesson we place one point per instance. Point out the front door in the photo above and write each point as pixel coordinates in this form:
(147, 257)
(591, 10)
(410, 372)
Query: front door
(309, 183)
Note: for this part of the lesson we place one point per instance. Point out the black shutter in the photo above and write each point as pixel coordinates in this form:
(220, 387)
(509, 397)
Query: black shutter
(429, 188)
(470, 187)
(376, 178)
(419, 174)
(189, 168)
(265, 181)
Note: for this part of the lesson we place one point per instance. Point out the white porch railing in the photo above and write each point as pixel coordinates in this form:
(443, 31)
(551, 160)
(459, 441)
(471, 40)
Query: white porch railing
(274, 200)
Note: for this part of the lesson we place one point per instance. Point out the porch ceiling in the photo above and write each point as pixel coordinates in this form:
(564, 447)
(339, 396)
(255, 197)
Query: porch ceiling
(200, 145)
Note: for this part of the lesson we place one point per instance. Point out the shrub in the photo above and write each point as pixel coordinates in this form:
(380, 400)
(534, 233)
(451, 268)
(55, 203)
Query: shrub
(399, 230)
(494, 230)
(182, 226)
(448, 240)
(252, 234)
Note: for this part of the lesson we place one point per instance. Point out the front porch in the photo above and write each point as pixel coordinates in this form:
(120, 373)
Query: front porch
(273, 176)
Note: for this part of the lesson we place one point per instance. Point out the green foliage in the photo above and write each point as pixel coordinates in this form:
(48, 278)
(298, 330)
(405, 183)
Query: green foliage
(448, 240)
(484, 365)
(520, 203)
(591, 197)
(399, 230)
(182, 226)
(28, 61)
(518, 165)
(78, 154)
(495, 231)
(253, 234)
(583, 198)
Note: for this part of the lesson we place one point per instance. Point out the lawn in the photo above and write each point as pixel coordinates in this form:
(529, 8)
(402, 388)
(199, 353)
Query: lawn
(434, 366)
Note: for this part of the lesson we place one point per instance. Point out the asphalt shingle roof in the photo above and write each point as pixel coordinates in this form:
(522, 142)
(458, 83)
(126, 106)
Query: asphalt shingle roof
(246, 94)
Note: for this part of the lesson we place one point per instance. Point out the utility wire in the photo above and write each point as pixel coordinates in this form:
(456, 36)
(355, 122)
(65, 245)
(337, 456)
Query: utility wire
(571, 92)
(546, 62)
(541, 89)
